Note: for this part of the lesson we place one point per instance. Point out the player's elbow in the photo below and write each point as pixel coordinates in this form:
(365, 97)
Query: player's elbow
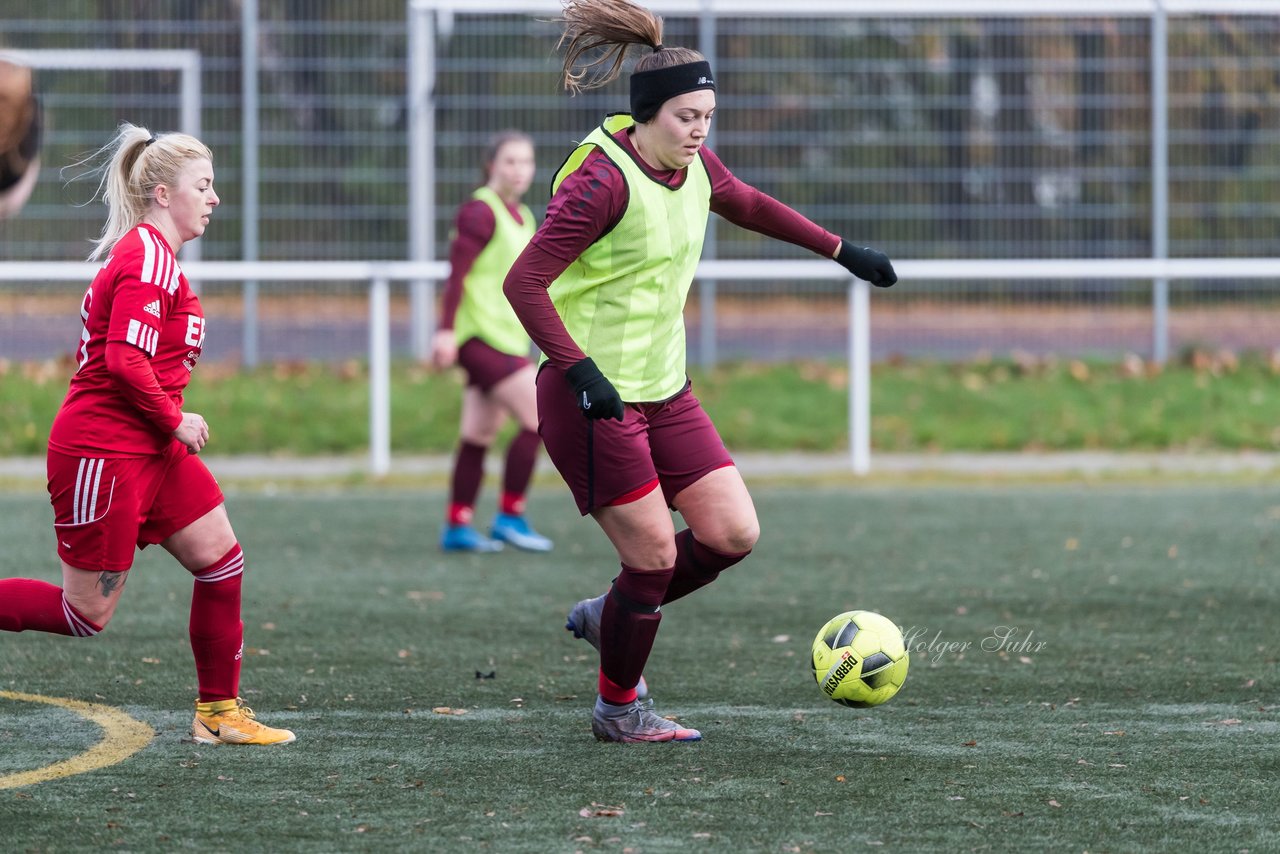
(511, 289)
(117, 360)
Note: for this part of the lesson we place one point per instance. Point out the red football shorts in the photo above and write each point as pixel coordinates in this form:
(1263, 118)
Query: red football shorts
(103, 508)
(485, 365)
(671, 441)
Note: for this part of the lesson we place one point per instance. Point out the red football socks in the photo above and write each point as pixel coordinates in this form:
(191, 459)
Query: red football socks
(468, 472)
(217, 634)
(522, 456)
(27, 604)
(628, 625)
(696, 566)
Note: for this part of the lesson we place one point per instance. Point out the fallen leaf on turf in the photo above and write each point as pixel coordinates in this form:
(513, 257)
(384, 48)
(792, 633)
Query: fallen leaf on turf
(1250, 683)
(1114, 732)
(839, 778)
(782, 638)
(1225, 722)
(150, 661)
(971, 744)
(820, 812)
(600, 811)
(1053, 803)
(448, 710)
(1116, 765)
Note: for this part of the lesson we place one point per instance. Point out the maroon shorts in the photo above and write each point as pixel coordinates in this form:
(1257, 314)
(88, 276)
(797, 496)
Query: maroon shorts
(672, 442)
(105, 507)
(487, 366)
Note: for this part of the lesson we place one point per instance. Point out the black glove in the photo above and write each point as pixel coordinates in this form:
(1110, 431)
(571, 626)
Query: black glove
(866, 263)
(596, 396)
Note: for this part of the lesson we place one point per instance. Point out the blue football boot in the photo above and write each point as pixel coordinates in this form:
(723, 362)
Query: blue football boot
(464, 538)
(516, 531)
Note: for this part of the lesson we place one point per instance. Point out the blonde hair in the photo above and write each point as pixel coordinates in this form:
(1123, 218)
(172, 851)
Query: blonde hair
(614, 25)
(135, 163)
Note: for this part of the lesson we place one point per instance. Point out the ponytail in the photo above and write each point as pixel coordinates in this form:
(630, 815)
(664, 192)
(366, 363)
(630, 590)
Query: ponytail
(613, 25)
(135, 162)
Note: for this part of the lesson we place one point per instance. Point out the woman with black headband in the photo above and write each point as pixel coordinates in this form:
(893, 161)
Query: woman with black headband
(601, 290)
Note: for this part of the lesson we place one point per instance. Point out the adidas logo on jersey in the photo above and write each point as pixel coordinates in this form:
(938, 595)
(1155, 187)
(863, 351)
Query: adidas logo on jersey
(153, 308)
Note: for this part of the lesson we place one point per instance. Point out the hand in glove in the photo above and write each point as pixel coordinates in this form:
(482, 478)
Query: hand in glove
(866, 263)
(596, 396)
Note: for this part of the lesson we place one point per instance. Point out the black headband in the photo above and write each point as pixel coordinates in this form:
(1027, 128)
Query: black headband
(650, 89)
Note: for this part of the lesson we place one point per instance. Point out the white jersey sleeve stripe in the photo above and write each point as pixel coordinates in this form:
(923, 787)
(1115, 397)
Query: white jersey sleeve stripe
(162, 271)
(148, 256)
(142, 336)
(171, 281)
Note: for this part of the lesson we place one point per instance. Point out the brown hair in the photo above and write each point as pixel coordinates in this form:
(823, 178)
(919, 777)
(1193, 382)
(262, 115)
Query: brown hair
(614, 25)
(494, 145)
(136, 162)
(17, 109)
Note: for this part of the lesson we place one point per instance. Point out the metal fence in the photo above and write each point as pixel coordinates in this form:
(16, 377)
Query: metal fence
(960, 134)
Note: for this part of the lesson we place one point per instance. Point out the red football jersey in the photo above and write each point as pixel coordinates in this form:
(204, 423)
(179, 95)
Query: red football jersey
(139, 297)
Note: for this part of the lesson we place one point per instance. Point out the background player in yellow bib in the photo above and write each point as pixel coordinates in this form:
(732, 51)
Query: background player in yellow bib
(601, 289)
(479, 331)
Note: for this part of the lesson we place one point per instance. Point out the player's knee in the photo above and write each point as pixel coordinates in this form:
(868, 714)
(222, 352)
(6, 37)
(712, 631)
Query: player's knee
(98, 615)
(741, 540)
(652, 549)
(481, 438)
(735, 536)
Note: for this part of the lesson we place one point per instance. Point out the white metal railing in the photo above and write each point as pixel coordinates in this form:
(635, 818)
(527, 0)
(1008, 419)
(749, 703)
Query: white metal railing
(380, 274)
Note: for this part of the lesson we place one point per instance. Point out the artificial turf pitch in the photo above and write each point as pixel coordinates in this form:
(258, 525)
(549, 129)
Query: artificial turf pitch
(1130, 706)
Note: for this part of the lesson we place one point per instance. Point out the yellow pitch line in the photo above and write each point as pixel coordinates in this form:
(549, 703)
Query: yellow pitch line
(122, 737)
